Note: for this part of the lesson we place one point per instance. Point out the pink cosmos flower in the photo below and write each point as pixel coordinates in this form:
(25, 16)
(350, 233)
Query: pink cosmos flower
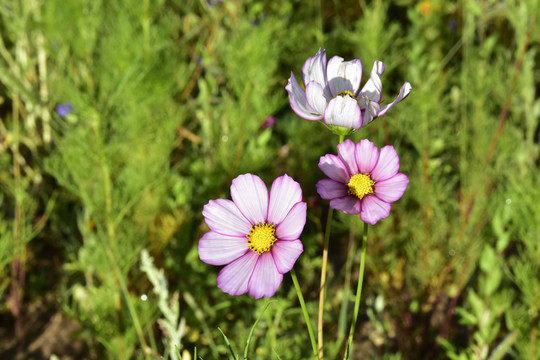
(256, 235)
(332, 92)
(362, 180)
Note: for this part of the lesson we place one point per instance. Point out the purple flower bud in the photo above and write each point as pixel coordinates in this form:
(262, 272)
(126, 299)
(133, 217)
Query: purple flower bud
(64, 109)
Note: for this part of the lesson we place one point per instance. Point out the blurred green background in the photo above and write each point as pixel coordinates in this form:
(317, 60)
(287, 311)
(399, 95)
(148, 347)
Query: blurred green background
(169, 98)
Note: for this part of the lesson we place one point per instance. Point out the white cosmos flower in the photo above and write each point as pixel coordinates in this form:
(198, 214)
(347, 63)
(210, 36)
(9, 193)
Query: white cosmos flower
(332, 92)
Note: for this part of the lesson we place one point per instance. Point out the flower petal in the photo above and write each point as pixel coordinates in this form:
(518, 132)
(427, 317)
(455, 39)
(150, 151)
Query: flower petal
(367, 155)
(314, 69)
(391, 189)
(233, 279)
(373, 209)
(330, 189)
(343, 111)
(291, 227)
(403, 93)
(373, 88)
(218, 249)
(370, 112)
(250, 194)
(285, 254)
(224, 217)
(334, 168)
(299, 104)
(285, 192)
(346, 152)
(265, 279)
(348, 204)
(388, 164)
(315, 97)
(344, 75)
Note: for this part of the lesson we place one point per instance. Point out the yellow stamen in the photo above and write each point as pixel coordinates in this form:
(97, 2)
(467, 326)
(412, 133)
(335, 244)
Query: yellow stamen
(360, 185)
(261, 237)
(345, 93)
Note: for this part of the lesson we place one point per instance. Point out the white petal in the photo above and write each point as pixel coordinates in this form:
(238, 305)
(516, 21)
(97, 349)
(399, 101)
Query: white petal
(373, 88)
(344, 75)
(224, 217)
(314, 69)
(403, 93)
(299, 104)
(343, 111)
(315, 97)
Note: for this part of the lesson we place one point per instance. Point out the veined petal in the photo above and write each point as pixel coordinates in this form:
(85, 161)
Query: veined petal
(344, 75)
(346, 152)
(370, 112)
(291, 227)
(224, 217)
(299, 104)
(265, 279)
(330, 189)
(314, 69)
(218, 249)
(233, 279)
(391, 189)
(348, 204)
(388, 164)
(285, 254)
(250, 194)
(284, 194)
(403, 93)
(315, 97)
(373, 88)
(343, 111)
(334, 168)
(367, 155)
(374, 209)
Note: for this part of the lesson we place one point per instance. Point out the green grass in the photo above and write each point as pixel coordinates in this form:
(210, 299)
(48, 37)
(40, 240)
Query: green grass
(169, 98)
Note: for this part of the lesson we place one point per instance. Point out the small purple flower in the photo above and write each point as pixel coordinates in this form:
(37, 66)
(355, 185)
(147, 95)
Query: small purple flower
(64, 109)
(256, 235)
(269, 122)
(362, 180)
(332, 92)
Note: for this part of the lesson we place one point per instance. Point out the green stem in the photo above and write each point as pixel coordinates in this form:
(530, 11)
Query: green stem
(304, 311)
(322, 290)
(341, 139)
(358, 290)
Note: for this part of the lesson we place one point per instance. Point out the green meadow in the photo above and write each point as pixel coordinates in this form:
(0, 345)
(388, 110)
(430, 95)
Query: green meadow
(120, 120)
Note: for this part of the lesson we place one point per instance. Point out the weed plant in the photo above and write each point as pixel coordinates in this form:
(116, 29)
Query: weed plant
(168, 104)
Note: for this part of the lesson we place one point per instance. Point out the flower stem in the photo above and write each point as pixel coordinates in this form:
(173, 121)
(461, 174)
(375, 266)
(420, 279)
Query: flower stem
(358, 290)
(322, 290)
(304, 311)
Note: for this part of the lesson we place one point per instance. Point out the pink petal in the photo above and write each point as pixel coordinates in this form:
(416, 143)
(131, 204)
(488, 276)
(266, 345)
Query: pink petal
(285, 254)
(291, 227)
(217, 249)
(224, 217)
(315, 97)
(367, 155)
(344, 75)
(346, 152)
(388, 164)
(348, 204)
(250, 194)
(285, 192)
(299, 104)
(330, 189)
(391, 189)
(314, 68)
(233, 279)
(403, 93)
(343, 111)
(334, 168)
(265, 279)
(374, 209)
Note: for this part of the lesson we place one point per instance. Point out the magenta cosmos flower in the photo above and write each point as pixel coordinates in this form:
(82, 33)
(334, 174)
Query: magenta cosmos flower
(332, 92)
(362, 180)
(255, 235)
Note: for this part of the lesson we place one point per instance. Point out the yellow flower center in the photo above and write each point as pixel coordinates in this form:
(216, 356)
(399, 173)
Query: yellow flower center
(344, 93)
(360, 185)
(261, 237)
